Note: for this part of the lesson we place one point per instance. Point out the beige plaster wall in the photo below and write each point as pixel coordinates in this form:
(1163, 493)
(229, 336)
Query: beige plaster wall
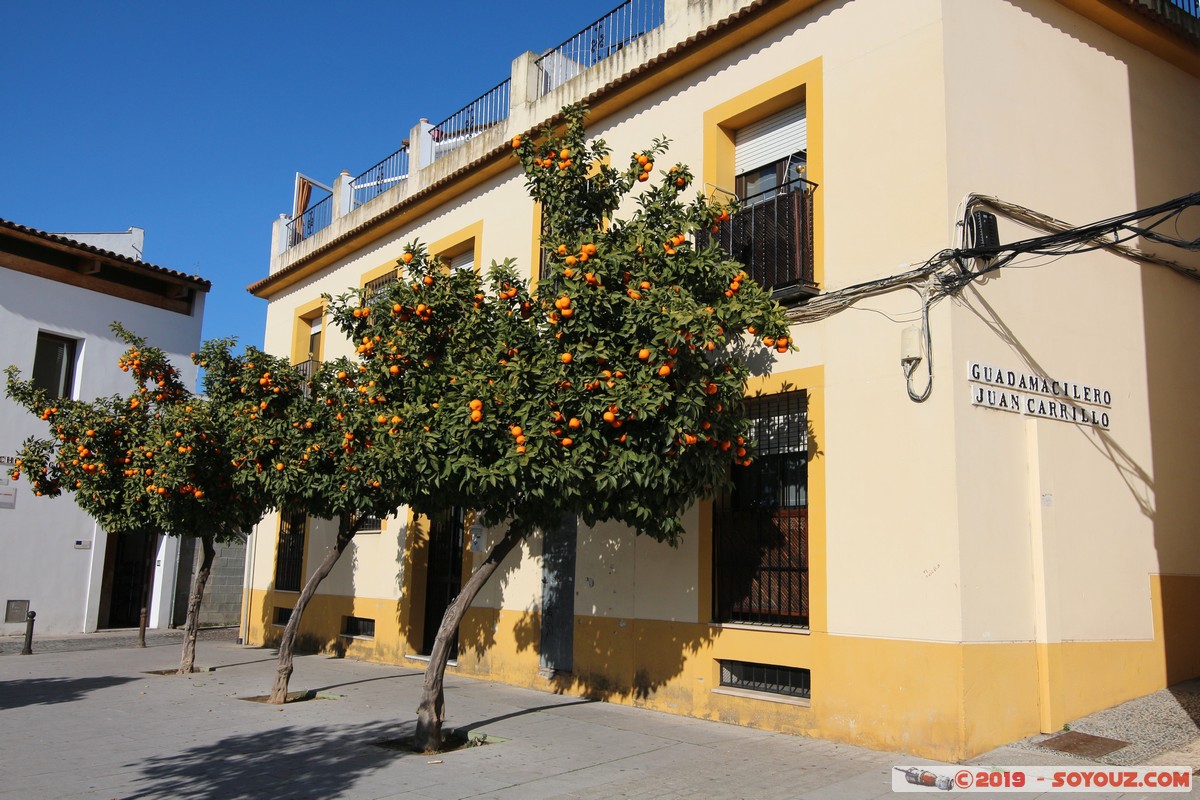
(1077, 123)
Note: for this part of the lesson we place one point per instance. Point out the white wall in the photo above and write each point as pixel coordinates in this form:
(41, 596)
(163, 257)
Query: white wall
(40, 561)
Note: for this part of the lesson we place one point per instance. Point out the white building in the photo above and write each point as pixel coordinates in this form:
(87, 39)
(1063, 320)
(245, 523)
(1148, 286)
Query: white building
(58, 297)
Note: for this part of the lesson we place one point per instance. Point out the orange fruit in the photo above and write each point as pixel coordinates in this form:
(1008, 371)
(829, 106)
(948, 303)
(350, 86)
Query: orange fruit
(643, 177)
(573, 423)
(643, 354)
(516, 142)
(406, 258)
(567, 441)
(567, 358)
(476, 415)
(664, 370)
(475, 405)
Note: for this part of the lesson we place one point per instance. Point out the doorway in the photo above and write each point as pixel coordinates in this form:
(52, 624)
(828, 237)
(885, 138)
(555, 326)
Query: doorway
(444, 577)
(128, 572)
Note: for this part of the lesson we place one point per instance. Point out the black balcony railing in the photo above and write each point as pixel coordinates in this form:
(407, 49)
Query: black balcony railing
(618, 28)
(379, 178)
(471, 120)
(772, 236)
(1181, 15)
(317, 217)
(307, 369)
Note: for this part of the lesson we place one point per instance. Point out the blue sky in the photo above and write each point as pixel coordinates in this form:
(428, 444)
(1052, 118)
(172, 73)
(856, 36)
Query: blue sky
(190, 119)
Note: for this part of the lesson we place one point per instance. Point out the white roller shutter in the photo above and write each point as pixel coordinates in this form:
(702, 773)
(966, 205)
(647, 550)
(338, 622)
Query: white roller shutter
(465, 260)
(768, 140)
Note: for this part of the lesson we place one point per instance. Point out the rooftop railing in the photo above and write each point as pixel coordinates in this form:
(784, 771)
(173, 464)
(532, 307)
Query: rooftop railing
(623, 25)
(1184, 15)
(314, 219)
(379, 178)
(471, 120)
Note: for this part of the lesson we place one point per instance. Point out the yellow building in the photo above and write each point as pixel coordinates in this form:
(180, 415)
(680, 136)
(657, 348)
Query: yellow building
(967, 525)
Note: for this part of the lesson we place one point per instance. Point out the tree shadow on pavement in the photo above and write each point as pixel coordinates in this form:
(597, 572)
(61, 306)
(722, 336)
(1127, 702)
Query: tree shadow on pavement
(48, 691)
(291, 762)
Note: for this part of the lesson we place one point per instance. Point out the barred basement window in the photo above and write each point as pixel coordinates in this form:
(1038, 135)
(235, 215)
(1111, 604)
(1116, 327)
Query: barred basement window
(282, 615)
(358, 626)
(787, 681)
(760, 527)
(371, 523)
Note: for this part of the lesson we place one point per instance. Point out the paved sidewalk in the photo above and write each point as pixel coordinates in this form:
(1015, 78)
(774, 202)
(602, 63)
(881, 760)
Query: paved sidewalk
(102, 640)
(93, 724)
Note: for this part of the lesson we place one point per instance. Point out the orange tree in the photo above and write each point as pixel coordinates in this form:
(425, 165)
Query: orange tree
(307, 444)
(612, 393)
(152, 462)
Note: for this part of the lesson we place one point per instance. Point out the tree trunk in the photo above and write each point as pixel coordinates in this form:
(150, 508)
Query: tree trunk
(432, 710)
(187, 662)
(287, 644)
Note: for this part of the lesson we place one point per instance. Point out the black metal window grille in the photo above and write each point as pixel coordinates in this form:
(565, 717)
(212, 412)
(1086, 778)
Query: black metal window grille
(788, 681)
(772, 236)
(282, 615)
(289, 553)
(371, 523)
(382, 282)
(358, 626)
(760, 526)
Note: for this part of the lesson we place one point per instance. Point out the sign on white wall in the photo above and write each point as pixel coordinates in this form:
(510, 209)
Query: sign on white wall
(1037, 395)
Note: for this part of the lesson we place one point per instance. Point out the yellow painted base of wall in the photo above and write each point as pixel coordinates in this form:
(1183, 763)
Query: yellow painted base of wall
(938, 700)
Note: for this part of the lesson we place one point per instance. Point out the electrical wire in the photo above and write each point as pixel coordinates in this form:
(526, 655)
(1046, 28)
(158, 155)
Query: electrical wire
(946, 273)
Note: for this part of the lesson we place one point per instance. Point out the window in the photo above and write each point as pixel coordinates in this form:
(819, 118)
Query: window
(358, 627)
(772, 235)
(289, 553)
(464, 260)
(314, 339)
(54, 365)
(382, 282)
(282, 615)
(371, 523)
(760, 526)
(787, 681)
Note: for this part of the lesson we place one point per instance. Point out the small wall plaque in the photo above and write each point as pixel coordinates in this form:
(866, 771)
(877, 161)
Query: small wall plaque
(15, 610)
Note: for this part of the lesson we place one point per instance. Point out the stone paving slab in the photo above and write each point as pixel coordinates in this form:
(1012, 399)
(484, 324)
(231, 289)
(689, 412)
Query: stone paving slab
(91, 723)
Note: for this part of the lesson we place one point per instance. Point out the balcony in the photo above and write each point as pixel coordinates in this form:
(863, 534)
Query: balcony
(772, 236)
(307, 369)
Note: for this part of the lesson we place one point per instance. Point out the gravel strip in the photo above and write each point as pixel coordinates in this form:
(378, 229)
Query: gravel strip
(1168, 719)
